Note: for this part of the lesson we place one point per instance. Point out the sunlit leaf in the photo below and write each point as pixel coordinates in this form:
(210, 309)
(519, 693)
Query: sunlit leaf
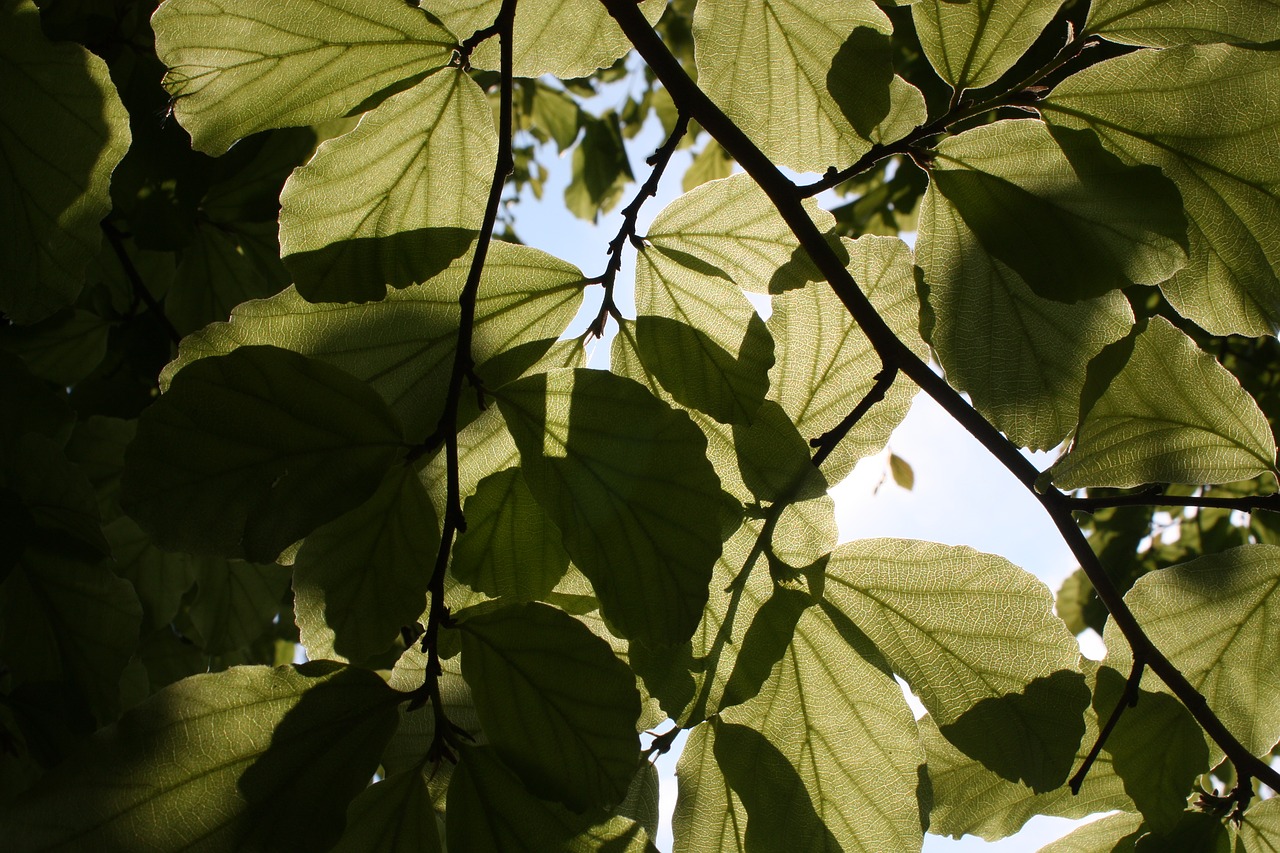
(1260, 829)
(1115, 834)
(1172, 22)
(971, 43)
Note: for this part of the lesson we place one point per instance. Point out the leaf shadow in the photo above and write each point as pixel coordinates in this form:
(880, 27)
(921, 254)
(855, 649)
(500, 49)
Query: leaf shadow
(361, 269)
(859, 79)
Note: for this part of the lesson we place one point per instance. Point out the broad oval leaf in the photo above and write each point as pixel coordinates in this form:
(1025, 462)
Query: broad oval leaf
(394, 200)
(251, 451)
(627, 481)
(268, 757)
(403, 345)
(1260, 829)
(1020, 357)
(1098, 223)
(554, 701)
(826, 365)
(977, 640)
(1230, 183)
(240, 66)
(1172, 22)
(1215, 618)
(62, 132)
(1171, 414)
(702, 339)
(826, 758)
(362, 576)
(822, 89)
(971, 43)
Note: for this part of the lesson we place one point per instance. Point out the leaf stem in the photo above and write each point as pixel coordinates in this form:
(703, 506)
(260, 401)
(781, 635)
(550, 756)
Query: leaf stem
(1128, 699)
(140, 291)
(627, 231)
(786, 197)
(827, 442)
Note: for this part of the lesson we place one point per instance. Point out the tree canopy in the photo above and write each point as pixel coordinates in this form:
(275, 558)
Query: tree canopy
(281, 382)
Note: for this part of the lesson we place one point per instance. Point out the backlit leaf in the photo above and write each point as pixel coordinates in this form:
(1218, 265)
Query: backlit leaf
(1172, 22)
(1115, 834)
(972, 43)
(395, 815)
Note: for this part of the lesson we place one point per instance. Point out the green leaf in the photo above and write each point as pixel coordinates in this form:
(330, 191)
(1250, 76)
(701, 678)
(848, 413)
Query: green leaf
(395, 815)
(160, 578)
(601, 168)
(268, 758)
(556, 704)
(491, 812)
(702, 339)
(826, 757)
(1215, 619)
(1020, 357)
(971, 43)
(251, 451)
(235, 603)
(1228, 183)
(62, 132)
(358, 579)
(1098, 224)
(63, 349)
(806, 531)
(1157, 748)
(711, 163)
(565, 38)
(730, 229)
(1173, 22)
(1115, 834)
(826, 365)
(56, 494)
(1171, 415)
(976, 638)
(510, 547)
(395, 200)
(1196, 832)
(1260, 829)
(901, 471)
(403, 345)
(223, 267)
(627, 482)
(65, 620)
(237, 66)
(807, 80)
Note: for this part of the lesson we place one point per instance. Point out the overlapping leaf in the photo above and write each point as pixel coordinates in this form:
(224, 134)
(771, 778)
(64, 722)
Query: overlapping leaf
(249, 452)
(1114, 834)
(702, 339)
(971, 44)
(1020, 357)
(238, 66)
(268, 757)
(826, 365)
(235, 603)
(62, 132)
(395, 815)
(223, 267)
(1171, 414)
(976, 638)
(403, 345)
(1215, 619)
(1230, 185)
(826, 757)
(362, 576)
(808, 81)
(1173, 22)
(396, 199)
(1099, 224)
(1260, 830)
(556, 704)
(626, 480)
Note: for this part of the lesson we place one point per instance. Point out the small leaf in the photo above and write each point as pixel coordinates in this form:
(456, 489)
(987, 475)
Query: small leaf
(249, 452)
(307, 61)
(1171, 415)
(972, 42)
(269, 758)
(712, 163)
(556, 704)
(394, 200)
(1215, 619)
(627, 482)
(62, 132)
(362, 576)
(901, 471)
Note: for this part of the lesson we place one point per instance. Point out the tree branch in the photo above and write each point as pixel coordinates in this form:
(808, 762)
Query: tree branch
(1248, 503)
(140, 291)
(828, 440)
(1128, 699)
(786, 198)
(446, 733)
(658, 160)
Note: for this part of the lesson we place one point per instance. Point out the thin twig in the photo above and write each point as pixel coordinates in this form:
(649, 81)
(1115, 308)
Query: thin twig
(828, 440)
(627, 231)
(140, 291)
(1248, 503)
(787, 200)
(1128, 699)
(445, 734)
